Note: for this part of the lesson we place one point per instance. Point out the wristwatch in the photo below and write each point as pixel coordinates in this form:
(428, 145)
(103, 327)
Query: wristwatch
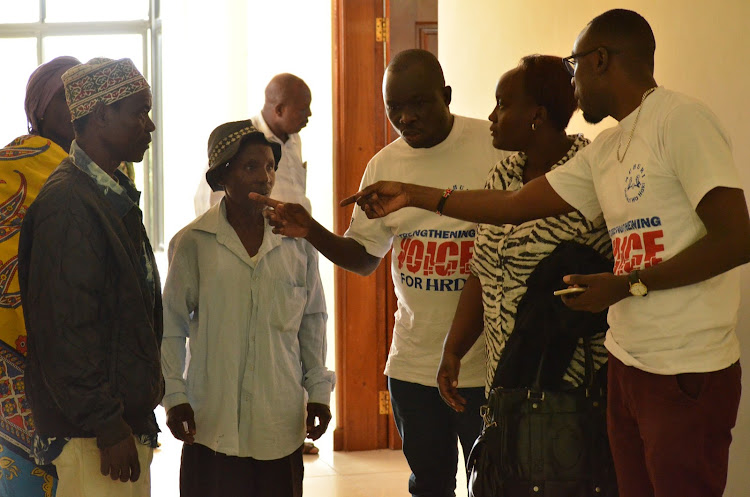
(637, 288)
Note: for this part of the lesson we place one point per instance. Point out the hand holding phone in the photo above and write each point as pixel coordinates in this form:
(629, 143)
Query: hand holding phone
(570, 290)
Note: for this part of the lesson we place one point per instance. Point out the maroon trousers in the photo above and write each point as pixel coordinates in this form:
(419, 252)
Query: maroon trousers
(205, 473)
(670, 435)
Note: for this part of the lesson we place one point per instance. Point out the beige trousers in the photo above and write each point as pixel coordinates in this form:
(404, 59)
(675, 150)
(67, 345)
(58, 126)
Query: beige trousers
(78, 469)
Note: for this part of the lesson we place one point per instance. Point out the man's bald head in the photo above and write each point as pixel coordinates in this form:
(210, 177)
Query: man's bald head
(627, 31)
(287, 106)
(614, 64)
(416, 98)
(284, 86)
(419, 60)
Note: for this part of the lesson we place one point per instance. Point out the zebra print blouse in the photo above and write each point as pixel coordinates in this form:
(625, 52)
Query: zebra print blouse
(505, 256)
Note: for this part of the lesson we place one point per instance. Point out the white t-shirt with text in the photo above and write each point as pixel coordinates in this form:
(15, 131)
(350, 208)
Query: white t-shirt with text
(679, 152)
(431, 253)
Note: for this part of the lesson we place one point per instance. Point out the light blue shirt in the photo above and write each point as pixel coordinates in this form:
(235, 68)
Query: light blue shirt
(257, 337)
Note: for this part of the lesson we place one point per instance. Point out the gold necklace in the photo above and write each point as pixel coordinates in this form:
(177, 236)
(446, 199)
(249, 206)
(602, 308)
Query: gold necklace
(632, 130)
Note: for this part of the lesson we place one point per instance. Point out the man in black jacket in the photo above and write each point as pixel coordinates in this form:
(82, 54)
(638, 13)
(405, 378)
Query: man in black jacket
(91, 294)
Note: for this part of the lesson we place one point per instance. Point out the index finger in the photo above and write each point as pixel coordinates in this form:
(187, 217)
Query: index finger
(135, 468)
(178, 430)
(450, 394)
(188, 431)
(364, 192)
(574, 279)
(191, 425)
(454, 400)
(104, 462)
(256, 197)
(350, 200)
(317, 431)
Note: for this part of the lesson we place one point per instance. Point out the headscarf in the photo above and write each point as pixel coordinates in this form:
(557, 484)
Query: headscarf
(44, 82)
(100, 80)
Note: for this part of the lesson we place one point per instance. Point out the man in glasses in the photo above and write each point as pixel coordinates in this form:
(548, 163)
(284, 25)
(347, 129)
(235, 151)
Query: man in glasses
(665, 181)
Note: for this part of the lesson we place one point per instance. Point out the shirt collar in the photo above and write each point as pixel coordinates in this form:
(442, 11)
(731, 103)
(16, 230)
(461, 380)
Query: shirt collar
(627, 122)
(121, 194)
(262, 126)
(215, 221)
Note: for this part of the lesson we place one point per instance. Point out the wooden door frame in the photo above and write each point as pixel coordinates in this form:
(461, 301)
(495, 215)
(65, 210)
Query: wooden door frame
(365, 306)
(359, 132)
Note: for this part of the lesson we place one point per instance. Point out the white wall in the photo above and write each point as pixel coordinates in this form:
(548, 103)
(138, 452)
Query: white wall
(218, 57)
(702, 49)
(205, 79)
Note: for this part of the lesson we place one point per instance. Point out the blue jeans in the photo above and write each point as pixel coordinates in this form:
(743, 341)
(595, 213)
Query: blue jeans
(429, 430)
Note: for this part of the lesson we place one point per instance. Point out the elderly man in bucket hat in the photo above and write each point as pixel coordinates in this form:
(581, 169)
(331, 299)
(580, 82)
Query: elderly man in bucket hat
(91, 295)
(285, 112)
(252, 304)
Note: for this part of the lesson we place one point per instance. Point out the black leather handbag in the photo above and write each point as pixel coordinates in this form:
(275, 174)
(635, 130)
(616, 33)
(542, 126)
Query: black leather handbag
(538, 442)
(546, 439)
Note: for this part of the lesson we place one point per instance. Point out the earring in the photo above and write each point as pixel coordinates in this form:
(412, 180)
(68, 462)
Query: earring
(533, 126)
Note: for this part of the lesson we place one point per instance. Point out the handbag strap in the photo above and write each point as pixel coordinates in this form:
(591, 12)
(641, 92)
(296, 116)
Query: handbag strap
(589, 374)
(496, 377)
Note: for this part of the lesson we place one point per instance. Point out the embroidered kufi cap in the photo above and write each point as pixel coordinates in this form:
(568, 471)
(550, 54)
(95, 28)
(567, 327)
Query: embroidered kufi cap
(225, 142)
(100, 80)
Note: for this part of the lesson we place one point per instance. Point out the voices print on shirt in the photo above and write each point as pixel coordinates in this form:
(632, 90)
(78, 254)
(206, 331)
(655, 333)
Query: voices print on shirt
(433, 259)
(638, 242)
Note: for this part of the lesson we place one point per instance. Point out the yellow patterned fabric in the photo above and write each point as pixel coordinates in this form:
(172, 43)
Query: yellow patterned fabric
(25, 165)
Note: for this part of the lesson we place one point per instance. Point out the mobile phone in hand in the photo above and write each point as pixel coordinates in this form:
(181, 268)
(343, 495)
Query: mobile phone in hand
(568, 291)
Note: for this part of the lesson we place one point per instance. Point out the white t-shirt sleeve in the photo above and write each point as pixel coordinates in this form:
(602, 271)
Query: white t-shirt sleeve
(574, 182)
(373, 234)
(699, 151)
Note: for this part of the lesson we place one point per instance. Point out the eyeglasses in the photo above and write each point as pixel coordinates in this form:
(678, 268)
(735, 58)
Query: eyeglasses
(571, 61)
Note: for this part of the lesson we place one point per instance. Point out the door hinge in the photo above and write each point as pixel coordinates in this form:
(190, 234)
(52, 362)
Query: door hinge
(382, 29)
(385, 402)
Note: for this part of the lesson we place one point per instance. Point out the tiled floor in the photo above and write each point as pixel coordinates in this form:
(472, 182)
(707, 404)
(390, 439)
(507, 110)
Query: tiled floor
(376, 473)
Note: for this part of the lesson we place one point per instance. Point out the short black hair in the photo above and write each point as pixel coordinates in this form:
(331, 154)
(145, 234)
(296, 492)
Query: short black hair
(408, 59)
(626, 30)
(547, 82)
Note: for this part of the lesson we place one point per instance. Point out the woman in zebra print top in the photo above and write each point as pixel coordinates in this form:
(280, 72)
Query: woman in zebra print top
(534, 104)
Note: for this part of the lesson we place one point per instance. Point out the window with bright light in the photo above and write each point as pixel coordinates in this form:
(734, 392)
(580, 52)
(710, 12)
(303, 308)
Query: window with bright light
(36, 31)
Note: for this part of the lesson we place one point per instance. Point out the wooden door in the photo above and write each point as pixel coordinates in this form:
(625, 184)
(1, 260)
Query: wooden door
(413, 24)
(366, 305)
